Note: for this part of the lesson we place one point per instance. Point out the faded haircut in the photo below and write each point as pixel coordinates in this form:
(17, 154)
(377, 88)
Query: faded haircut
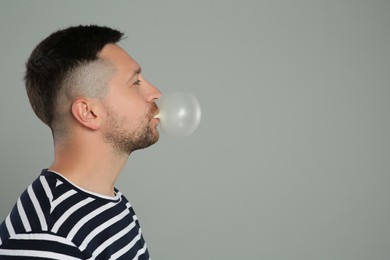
(66, 65)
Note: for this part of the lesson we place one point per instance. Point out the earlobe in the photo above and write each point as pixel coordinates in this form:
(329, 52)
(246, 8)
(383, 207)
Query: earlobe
(83, 112)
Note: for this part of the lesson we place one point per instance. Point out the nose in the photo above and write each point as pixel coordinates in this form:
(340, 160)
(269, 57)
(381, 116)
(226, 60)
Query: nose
(151, 92)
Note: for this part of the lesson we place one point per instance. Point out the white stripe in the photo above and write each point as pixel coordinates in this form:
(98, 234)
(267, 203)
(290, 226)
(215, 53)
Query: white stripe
(69, 212)
(112, 239)
(36, 253)
(9, 226)
(88, 217)
(43, 236)
(58, 183)
(102, 227)
(23, 216)
(46, 188)
(61, 199)
(140, 252)
(37, 207)
(128, 247)
(129, 206)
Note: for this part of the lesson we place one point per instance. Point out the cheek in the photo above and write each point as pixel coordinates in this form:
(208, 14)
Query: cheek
(133, 110)
(129, 106)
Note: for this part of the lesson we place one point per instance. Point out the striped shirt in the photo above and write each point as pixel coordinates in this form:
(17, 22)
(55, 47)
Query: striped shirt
(55, 219)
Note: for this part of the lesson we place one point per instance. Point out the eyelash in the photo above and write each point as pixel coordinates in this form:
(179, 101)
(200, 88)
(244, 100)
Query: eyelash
(137, 82)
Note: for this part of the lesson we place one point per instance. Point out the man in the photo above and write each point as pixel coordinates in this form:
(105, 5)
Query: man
(93, 97)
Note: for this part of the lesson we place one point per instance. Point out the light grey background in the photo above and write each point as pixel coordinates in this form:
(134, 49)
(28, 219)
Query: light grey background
(291, 160)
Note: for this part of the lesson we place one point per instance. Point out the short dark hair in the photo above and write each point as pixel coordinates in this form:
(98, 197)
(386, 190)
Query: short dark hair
(56, 57)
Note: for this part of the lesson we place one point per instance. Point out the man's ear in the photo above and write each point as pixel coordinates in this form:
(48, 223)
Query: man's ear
(85, 111)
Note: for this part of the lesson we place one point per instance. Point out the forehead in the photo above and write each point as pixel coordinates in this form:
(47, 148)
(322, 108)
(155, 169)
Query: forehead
(119, 58)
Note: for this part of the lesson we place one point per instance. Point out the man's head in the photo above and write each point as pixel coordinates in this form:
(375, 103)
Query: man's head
(75, 66)
(59, 68)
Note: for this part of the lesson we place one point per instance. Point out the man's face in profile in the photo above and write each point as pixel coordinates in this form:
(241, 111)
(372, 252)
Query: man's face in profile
(129, 103)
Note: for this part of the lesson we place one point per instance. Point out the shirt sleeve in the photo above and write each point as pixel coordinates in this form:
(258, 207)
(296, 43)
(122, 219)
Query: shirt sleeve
(31, 246)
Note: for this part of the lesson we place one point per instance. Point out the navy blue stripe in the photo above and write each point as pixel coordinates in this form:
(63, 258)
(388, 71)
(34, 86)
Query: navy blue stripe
(92, 224)
(16, 221)
(3, 232)
(134, 250)
(73, 219)
(69, 186)
(41, 196)
(44, 245)
(29, 208)
(109, 232)
(66, 204)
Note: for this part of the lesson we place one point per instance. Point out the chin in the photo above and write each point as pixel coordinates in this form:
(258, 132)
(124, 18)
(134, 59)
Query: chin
(149, 140)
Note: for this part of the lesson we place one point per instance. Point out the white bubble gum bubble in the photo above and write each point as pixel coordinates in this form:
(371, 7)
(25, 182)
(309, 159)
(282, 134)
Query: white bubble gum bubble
(180, 114)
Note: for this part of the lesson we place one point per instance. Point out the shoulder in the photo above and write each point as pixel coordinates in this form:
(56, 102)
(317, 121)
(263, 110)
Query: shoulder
(53, 213)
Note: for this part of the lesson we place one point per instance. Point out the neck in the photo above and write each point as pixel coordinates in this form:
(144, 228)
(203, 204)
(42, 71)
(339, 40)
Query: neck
(92, 167)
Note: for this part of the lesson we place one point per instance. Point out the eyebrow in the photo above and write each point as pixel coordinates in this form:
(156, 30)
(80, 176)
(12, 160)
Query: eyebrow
(137, 71)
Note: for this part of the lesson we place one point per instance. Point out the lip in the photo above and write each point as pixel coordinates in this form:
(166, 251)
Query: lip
(156, 115)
